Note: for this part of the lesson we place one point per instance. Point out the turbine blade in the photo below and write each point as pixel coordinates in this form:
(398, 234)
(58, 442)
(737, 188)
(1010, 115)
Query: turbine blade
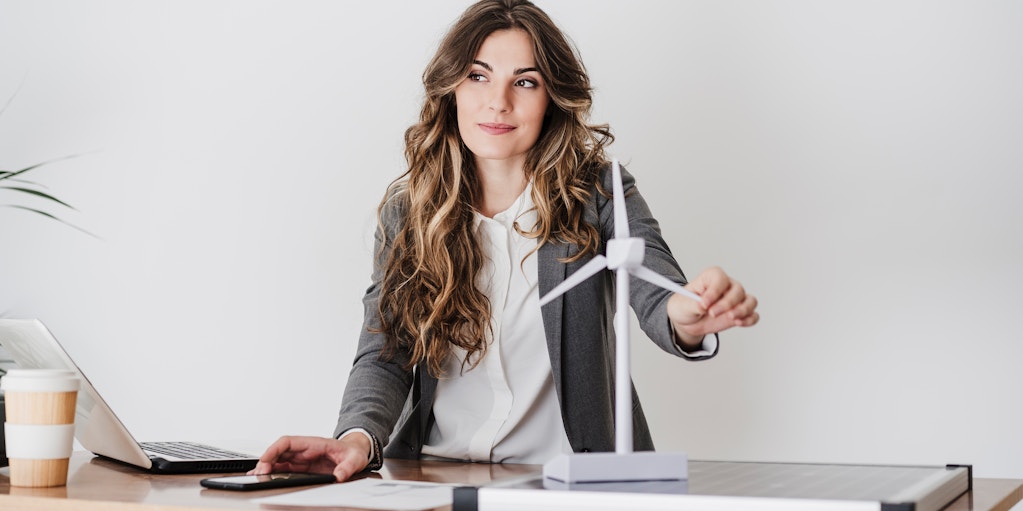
(618, 196)
(589, 269)
(660, 280)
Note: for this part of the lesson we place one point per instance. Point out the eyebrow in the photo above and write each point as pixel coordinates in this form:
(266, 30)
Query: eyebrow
(518, 71)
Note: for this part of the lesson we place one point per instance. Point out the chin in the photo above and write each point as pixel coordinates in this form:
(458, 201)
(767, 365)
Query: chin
(489, 152)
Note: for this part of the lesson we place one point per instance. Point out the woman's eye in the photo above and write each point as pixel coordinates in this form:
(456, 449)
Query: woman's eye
(477, 77)
(527, 83)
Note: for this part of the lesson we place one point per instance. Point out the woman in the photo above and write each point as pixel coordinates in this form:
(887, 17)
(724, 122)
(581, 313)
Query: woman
(504, 197)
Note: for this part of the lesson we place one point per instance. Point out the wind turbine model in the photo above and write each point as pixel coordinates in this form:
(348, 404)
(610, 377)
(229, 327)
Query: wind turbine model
(625, 258)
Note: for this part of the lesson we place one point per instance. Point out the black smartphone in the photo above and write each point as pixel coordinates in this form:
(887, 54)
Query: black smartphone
(263, 482)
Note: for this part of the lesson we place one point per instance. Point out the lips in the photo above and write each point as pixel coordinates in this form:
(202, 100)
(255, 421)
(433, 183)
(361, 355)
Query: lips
(495, 128)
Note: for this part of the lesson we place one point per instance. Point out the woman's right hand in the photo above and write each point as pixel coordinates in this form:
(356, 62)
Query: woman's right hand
(343, 458)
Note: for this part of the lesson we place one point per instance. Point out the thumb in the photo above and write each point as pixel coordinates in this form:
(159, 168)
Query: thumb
(352, 462)
(683, 310)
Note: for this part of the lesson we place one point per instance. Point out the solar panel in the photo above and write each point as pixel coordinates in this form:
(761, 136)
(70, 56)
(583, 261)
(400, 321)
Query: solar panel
(739, 486)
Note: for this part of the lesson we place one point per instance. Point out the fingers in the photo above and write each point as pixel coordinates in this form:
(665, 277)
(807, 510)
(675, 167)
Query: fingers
(718, 292)
(710, 284)
(269, 458)
(343, 458)
(290, 454)
(745, 314)
(725, 300)
(723, 295)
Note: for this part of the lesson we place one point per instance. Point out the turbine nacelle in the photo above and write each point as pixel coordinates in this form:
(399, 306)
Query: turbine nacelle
(625, 253)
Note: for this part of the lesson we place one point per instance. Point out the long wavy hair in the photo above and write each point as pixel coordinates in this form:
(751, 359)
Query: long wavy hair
(429, 302)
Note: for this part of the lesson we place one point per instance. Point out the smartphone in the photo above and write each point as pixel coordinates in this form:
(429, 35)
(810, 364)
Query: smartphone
(263, 482)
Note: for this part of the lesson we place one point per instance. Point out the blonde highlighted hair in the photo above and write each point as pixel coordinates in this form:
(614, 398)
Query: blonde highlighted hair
(429, 301)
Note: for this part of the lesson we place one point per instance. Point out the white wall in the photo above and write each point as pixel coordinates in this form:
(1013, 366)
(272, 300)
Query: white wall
(853, 163)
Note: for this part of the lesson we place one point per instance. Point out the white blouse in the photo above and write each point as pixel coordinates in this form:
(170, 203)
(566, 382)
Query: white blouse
(506, 409)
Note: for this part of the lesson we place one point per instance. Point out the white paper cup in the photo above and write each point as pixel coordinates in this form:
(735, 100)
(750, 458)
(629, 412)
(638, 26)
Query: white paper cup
(40, 424)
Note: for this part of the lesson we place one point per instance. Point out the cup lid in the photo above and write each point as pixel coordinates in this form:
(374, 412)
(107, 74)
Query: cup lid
(39, 380)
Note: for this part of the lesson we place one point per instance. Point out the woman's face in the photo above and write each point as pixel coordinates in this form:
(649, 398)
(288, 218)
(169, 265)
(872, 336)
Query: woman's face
(501, 104)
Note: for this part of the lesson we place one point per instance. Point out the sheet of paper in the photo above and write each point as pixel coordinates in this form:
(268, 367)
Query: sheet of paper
(369, 494)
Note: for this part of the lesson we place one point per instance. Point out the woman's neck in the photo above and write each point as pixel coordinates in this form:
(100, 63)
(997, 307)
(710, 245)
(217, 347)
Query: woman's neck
(501, 182)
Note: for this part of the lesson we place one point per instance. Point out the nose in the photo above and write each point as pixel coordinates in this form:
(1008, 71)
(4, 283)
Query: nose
(500, 100)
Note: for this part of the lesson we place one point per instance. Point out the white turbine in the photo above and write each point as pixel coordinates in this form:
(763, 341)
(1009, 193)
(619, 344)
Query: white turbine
(625, 258)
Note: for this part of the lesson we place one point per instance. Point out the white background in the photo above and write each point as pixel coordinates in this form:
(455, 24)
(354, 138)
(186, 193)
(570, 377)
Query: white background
(855, 164)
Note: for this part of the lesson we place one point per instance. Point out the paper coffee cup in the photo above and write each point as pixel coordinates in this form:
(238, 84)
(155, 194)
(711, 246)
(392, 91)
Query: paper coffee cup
(40, 424)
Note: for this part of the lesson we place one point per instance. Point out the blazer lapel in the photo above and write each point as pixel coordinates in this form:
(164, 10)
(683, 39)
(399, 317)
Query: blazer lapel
(550, 273)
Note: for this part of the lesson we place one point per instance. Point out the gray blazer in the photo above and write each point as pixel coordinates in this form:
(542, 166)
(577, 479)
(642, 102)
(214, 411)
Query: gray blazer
(392, 403)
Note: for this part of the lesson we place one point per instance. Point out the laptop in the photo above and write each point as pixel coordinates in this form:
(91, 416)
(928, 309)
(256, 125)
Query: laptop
(31, 345)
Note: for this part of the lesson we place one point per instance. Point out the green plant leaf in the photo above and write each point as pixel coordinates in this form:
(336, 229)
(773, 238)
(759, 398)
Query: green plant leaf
(27, 182)
(11, 99)
(48, 215)
(38, 194)
(11, 175)
(7, 174)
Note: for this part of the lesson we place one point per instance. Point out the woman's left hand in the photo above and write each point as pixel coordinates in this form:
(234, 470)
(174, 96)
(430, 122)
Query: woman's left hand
(723, 304)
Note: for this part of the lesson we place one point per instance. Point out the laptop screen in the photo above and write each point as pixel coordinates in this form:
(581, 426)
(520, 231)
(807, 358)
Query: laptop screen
(31, 346)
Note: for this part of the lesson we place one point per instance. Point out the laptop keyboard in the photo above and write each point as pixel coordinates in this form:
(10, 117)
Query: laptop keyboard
(190, 451)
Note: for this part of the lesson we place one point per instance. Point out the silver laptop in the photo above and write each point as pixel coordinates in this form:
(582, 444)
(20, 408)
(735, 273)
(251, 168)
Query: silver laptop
(31, 345)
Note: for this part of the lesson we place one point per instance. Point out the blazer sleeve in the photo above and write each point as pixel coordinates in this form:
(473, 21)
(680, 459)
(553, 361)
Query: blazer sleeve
(648, 300)
(377, 388)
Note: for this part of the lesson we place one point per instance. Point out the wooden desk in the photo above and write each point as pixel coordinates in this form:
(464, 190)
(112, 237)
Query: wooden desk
(96, 484)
